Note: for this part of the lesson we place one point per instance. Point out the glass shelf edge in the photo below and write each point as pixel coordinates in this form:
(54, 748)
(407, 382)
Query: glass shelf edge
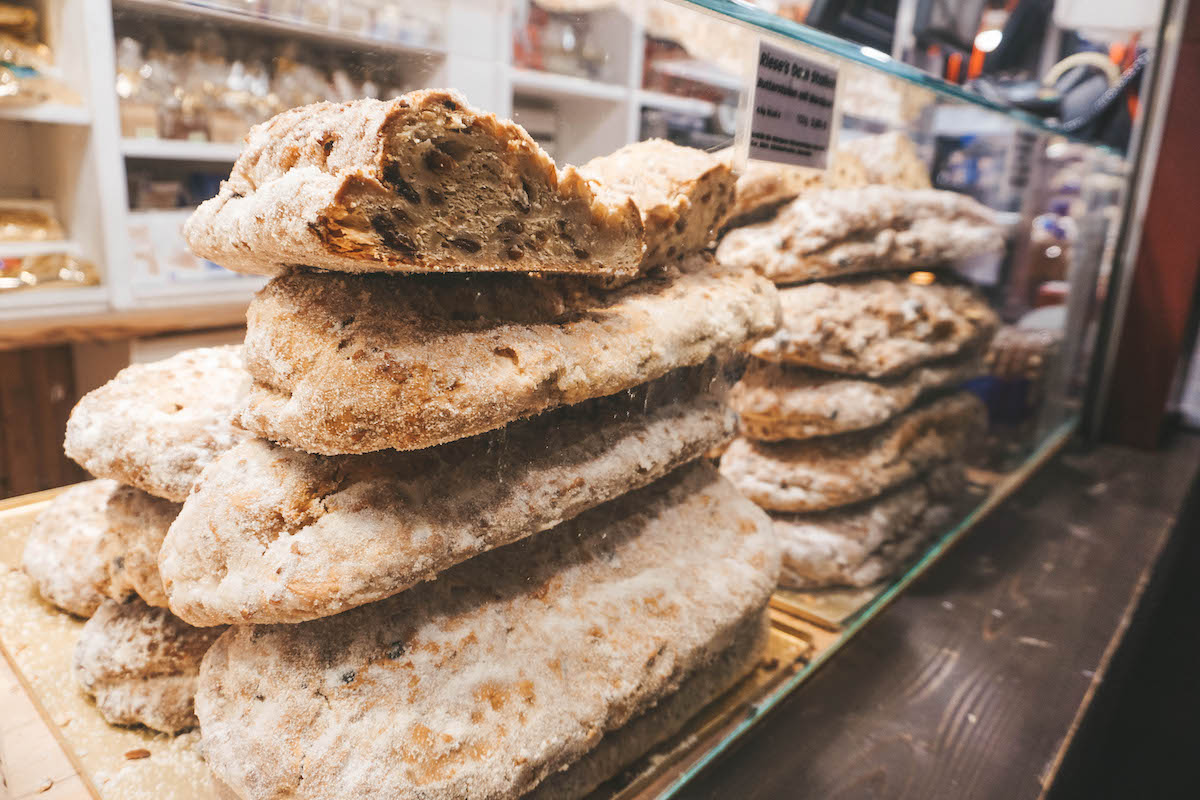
(841, 48)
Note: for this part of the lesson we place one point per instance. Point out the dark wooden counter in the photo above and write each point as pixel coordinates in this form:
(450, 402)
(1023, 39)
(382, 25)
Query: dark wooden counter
(973, 684)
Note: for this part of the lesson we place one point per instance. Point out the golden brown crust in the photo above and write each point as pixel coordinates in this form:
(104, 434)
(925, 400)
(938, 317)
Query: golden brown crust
(683, 194)
(421, 183)
(275, 535)
(503, 670)
(834, 471)
(353, 364)
(876, 328)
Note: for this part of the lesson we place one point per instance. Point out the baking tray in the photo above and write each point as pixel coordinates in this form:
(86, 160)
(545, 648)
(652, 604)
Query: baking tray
(62, 749)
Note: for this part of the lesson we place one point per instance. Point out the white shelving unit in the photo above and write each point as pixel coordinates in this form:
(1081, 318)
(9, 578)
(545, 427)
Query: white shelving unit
(670, 102)
(564, 87)
(23, 249)
(233, 18)
(76, 156)
(50, 113)
(181, 150)
(694, 70)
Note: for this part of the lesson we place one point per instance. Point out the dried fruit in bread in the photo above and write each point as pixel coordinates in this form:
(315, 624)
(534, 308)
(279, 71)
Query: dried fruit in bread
(421, 183)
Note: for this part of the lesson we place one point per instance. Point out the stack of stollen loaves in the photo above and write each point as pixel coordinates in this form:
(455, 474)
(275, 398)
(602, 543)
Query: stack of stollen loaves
(93, 552)
(852, 431)
(475, 502)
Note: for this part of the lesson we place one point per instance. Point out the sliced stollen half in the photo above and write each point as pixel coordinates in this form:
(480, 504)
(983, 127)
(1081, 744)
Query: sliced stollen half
(876, 328)
(140, 664)
(503, 671)
(834, 471)
(421, 183)
(276, 535)
(835, 232)
(66, 553)
(353, 364)
(156, 425)
(137, 524)
(683, 194)
(858, 545)
(779, 401)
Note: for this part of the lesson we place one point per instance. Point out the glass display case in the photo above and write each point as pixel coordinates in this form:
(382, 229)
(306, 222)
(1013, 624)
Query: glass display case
(944, 263)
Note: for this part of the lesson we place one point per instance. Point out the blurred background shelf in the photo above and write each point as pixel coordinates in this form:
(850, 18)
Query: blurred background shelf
(181, 150)
(23, 249)
(235, 18)
(568, 87)
(49, 113)
(702, 72)
(671, 102)
(23, 304)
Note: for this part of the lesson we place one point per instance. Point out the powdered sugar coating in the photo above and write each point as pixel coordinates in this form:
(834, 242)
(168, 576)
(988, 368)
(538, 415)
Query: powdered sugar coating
(849, 546)
(275, 535)
(620, 747)
(353, 364)
(833, 471)
(502, 671)
(889, 158)
(835, 232)
(779, 401)
(140, 664)
(876, 328)
(66, 553)
(138, 523)
(155, 426)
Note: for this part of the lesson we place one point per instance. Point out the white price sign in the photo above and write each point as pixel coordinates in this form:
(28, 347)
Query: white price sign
(791, 121)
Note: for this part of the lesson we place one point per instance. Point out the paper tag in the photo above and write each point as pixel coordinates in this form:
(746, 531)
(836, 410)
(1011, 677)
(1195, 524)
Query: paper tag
(791, 120)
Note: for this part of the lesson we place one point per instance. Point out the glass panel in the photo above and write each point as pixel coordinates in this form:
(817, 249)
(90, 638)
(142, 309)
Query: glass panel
(849, 52)
(855, 623)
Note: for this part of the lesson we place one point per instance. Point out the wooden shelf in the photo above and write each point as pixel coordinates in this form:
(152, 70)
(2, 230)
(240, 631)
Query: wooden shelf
(181, 150)
(233, 18)
(564, 87)
(48, 113)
